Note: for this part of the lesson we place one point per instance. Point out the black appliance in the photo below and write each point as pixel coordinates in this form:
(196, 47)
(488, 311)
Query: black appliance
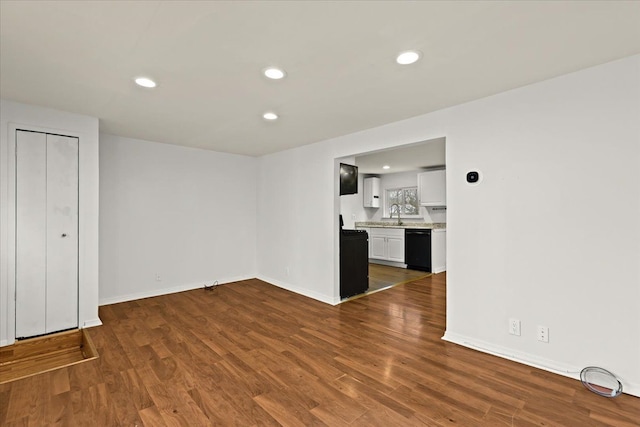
(417, 249)
(348, 179)
(354, 262)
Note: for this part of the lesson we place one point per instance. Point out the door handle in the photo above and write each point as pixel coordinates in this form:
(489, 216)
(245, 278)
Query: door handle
(64, 234)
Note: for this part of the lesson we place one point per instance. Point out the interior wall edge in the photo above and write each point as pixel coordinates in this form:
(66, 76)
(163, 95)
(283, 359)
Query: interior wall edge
(305, 292)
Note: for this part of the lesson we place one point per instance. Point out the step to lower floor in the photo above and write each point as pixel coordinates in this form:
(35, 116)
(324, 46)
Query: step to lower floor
(42, 354)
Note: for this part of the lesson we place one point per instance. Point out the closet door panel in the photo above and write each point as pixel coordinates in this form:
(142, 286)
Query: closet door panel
(31, 231)
(62, 233)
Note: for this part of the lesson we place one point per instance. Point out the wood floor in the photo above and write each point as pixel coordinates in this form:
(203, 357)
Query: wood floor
(383, 276)
(250, 354)
(36, 355)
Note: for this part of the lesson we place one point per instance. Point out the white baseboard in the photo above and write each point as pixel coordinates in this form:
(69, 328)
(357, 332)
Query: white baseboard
(4, 343)
(529, 359)
(305, 292)
(91, 323)
(163, 291)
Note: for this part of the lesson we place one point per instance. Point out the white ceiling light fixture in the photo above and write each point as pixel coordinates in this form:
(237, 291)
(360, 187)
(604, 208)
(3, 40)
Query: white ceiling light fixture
(408, 57)
(386, 167)
(274, 73)
(145, 82)
(270, 116)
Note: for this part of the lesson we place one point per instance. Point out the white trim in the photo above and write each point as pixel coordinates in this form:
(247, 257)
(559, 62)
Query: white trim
(304, 292)
(91, 323)
(3, 343)
(12, 128)
(10, 234)
(548, 365)
(164, 291)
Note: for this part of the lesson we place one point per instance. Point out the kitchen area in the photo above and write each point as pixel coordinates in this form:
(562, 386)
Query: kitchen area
(398, 214)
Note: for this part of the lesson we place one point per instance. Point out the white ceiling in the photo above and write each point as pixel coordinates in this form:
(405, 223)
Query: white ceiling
(421, 155)
(339, 56)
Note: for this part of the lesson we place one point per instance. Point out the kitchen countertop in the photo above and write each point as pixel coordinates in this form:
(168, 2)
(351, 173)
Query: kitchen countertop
(393, 224)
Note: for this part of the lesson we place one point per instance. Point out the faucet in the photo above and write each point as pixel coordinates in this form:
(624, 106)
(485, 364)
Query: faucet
(391, 212)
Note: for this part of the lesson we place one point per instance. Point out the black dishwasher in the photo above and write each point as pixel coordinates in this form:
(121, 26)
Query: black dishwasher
(417, 249)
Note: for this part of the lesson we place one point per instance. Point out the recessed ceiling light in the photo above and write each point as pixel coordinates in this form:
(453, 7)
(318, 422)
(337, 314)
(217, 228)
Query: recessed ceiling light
(386, 167)
(145, 82)
(274, 73)
(270, 116)
(408, 57)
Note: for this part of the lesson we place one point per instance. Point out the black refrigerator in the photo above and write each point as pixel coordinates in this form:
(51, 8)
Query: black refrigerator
(354, 262)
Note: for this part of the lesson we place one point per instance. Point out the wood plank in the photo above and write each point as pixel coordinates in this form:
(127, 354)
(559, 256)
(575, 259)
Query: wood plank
(43, 354)
(35, 347)
(250, 353)
(384, 276)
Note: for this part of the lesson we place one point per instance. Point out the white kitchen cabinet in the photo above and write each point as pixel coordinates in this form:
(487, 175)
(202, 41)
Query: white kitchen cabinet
(372, 192)
(432, 188)
(387, 244)
(378, 246)
(395, 248)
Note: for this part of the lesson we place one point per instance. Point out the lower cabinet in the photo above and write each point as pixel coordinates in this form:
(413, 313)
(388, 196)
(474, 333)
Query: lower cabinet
(386, 244)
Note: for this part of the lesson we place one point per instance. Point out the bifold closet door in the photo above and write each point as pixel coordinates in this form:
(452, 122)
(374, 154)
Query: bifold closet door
(46, 233)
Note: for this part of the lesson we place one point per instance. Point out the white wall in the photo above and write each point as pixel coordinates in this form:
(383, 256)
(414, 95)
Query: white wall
(296, 222)
(187, 215)
(530, 241)
(15, 115)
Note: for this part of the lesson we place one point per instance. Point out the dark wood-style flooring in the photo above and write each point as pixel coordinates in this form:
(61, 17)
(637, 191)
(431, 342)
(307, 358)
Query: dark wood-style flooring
(37, 355)
(248, 354)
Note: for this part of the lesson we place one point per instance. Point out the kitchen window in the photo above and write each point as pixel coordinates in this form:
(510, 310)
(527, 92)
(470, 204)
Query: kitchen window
(403, 199)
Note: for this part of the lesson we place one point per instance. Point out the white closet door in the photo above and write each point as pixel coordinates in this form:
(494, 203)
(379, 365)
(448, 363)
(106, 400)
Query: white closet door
(31, 233)
(46, 233)
(62, 233)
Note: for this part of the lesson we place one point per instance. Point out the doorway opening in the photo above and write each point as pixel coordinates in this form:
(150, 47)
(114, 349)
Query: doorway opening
(393, 177)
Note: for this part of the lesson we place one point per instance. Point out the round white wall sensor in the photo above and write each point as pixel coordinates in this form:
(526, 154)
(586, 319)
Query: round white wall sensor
(474, 177)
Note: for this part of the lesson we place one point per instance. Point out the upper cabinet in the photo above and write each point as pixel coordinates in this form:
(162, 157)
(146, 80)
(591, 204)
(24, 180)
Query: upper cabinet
(432, 188)
(372, 192)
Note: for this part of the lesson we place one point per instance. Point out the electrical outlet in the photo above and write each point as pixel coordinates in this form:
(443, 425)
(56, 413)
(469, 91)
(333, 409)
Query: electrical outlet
(158, 279)
(543, 334)
(514, 326)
